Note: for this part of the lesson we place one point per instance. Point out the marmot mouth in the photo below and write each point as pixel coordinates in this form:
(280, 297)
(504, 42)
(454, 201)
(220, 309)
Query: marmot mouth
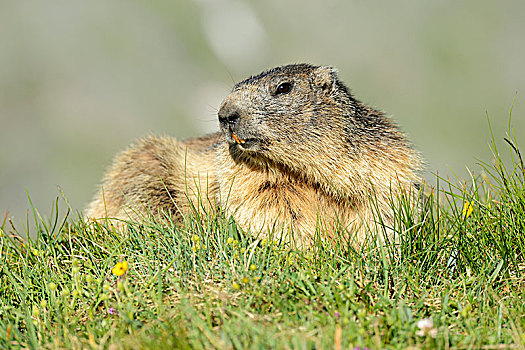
(248, 144)
(237, 139)
(240, 141)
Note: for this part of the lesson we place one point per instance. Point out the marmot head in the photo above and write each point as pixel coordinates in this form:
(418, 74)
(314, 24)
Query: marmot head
(287, 114)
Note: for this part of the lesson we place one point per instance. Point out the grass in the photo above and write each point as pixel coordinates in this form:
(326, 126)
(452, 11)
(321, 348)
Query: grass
(459, 268)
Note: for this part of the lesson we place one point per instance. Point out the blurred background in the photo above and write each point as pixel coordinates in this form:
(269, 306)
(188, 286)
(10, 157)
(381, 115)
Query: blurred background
(79, 80)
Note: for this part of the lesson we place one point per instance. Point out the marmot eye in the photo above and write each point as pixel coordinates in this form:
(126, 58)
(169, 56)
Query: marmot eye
(283, 88)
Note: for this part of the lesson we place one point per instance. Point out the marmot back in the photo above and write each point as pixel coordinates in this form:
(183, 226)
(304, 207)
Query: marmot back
(296, 152)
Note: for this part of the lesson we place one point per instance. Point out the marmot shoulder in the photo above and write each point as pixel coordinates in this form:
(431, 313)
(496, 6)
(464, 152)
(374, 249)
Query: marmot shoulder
(296, 152)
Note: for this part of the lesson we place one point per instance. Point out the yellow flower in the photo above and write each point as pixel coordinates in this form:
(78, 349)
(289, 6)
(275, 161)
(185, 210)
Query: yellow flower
(466, 310)
(120, 268)
(467, 209)
(229, 241)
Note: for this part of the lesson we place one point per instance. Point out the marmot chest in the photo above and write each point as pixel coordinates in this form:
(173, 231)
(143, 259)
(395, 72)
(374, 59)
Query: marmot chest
(261, 201)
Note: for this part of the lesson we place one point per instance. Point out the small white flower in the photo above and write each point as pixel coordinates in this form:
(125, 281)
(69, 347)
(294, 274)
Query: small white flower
(426, 327)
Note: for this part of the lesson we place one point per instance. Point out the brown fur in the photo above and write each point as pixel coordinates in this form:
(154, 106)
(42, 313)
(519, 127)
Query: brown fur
(291, 159)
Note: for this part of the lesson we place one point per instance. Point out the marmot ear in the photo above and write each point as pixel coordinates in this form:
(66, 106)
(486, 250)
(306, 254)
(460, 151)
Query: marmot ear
(325, 78)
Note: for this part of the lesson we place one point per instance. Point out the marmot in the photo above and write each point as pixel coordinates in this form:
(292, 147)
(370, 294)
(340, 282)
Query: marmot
(295, 152)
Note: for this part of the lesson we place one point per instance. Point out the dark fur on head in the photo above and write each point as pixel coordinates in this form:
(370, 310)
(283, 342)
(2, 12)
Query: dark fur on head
(317, 115)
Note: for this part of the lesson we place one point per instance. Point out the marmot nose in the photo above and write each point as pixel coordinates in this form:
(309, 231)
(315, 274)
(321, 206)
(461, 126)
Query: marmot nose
(230, 119)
